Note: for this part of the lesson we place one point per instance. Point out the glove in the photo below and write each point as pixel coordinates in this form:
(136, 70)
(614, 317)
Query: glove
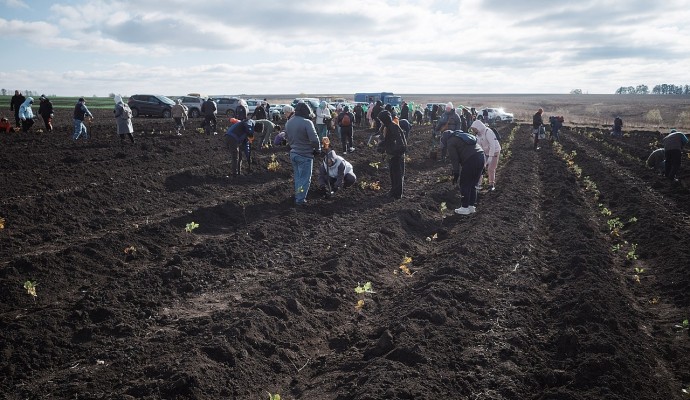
(455, 178)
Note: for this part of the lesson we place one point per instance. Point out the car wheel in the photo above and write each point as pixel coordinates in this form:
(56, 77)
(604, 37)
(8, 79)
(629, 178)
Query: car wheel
(135, 112)
(194, 113)
(166, 114)
(230, 113)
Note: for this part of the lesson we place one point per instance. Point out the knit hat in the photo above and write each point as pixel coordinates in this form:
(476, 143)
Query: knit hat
(449, 106)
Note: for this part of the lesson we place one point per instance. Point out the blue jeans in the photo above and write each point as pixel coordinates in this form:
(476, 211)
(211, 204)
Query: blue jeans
(302, 167)
(79, 129)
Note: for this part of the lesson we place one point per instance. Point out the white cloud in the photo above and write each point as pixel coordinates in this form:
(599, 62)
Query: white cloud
(16, 4)
(177, 46)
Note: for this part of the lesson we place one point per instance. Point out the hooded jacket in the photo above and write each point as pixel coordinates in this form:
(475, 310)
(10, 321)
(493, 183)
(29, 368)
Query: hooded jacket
(452, 118)
(393, 143)
(461, 147)
(300, 133)
(123, 116)
(339, 168)
(25, 111)
(322, 112)
(487, 139)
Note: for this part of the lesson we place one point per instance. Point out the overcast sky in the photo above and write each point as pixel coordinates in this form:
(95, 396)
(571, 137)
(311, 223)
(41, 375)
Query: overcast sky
(174, 47)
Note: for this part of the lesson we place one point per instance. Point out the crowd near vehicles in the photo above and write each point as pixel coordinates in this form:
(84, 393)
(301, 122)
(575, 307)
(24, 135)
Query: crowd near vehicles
(384, 97)
(154, 105)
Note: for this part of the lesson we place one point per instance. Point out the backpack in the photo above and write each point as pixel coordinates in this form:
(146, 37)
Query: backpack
(346, 120)
(495, 131)
(466, 137)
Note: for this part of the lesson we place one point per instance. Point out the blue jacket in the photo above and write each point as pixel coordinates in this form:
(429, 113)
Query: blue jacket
(240, 132)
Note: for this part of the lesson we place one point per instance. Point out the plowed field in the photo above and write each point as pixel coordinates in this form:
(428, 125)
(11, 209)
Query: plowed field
(570, 282)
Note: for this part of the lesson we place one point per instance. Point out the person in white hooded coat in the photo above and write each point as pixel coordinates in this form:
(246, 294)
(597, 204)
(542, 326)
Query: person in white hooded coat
(335, 173)
(123, 118)
(492, 150)
(26, 114)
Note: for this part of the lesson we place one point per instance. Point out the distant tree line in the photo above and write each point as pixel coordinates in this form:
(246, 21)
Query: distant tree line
(27, 93)
(665, 88)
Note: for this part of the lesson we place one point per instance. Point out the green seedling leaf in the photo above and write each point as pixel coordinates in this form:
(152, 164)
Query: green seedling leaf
(191, 226)
(366, 288)
(30, 288)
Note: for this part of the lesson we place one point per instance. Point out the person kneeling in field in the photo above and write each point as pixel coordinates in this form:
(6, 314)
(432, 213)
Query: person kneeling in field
(239, 136)
(335, 173)
(657, 160)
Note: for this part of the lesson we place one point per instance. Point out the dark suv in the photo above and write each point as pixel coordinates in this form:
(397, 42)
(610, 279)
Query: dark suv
(150, 104)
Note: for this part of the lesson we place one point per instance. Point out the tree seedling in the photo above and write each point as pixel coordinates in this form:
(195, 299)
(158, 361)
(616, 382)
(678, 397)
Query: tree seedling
(130, 251)
(361, 290)
(366, 288)
(405, 266)
(273, 396)
(273, 165)
(2, 223)
(31, 289)
(683, 326)
(605, 212)
(442, 209)
(631, 253)
(376, 164)
(616, 247)
(615, 225)
(191, 226)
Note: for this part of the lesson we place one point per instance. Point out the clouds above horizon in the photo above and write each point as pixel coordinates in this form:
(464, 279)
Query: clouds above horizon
(408, 46)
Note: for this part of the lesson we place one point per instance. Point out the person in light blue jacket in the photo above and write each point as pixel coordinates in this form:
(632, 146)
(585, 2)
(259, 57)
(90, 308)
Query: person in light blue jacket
(26, 114)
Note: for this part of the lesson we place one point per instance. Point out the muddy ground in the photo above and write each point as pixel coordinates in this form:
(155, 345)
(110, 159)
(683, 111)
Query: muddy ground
(536, 296)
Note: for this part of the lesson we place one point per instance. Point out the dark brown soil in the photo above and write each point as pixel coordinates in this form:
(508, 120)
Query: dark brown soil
(526, 299)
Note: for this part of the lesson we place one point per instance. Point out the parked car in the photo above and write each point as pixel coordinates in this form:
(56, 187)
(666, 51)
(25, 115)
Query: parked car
(497, 115)
(251, 104)
(193, 104)
(227, 105)
(153, 105)
(312, 102)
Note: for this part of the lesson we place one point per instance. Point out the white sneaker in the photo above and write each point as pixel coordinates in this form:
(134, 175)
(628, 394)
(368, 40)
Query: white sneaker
(473, 209)
(478, 187)
(351, 149)
(463, 211)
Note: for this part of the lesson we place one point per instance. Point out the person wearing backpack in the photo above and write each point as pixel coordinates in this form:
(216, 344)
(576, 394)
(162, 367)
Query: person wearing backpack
(393, 143)
(492, 151)
(464, 151)
(123, 119)
(345, 121)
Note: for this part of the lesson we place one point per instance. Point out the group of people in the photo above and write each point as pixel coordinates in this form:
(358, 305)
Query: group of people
(666, 160)
(23, 113)
(471, 151)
